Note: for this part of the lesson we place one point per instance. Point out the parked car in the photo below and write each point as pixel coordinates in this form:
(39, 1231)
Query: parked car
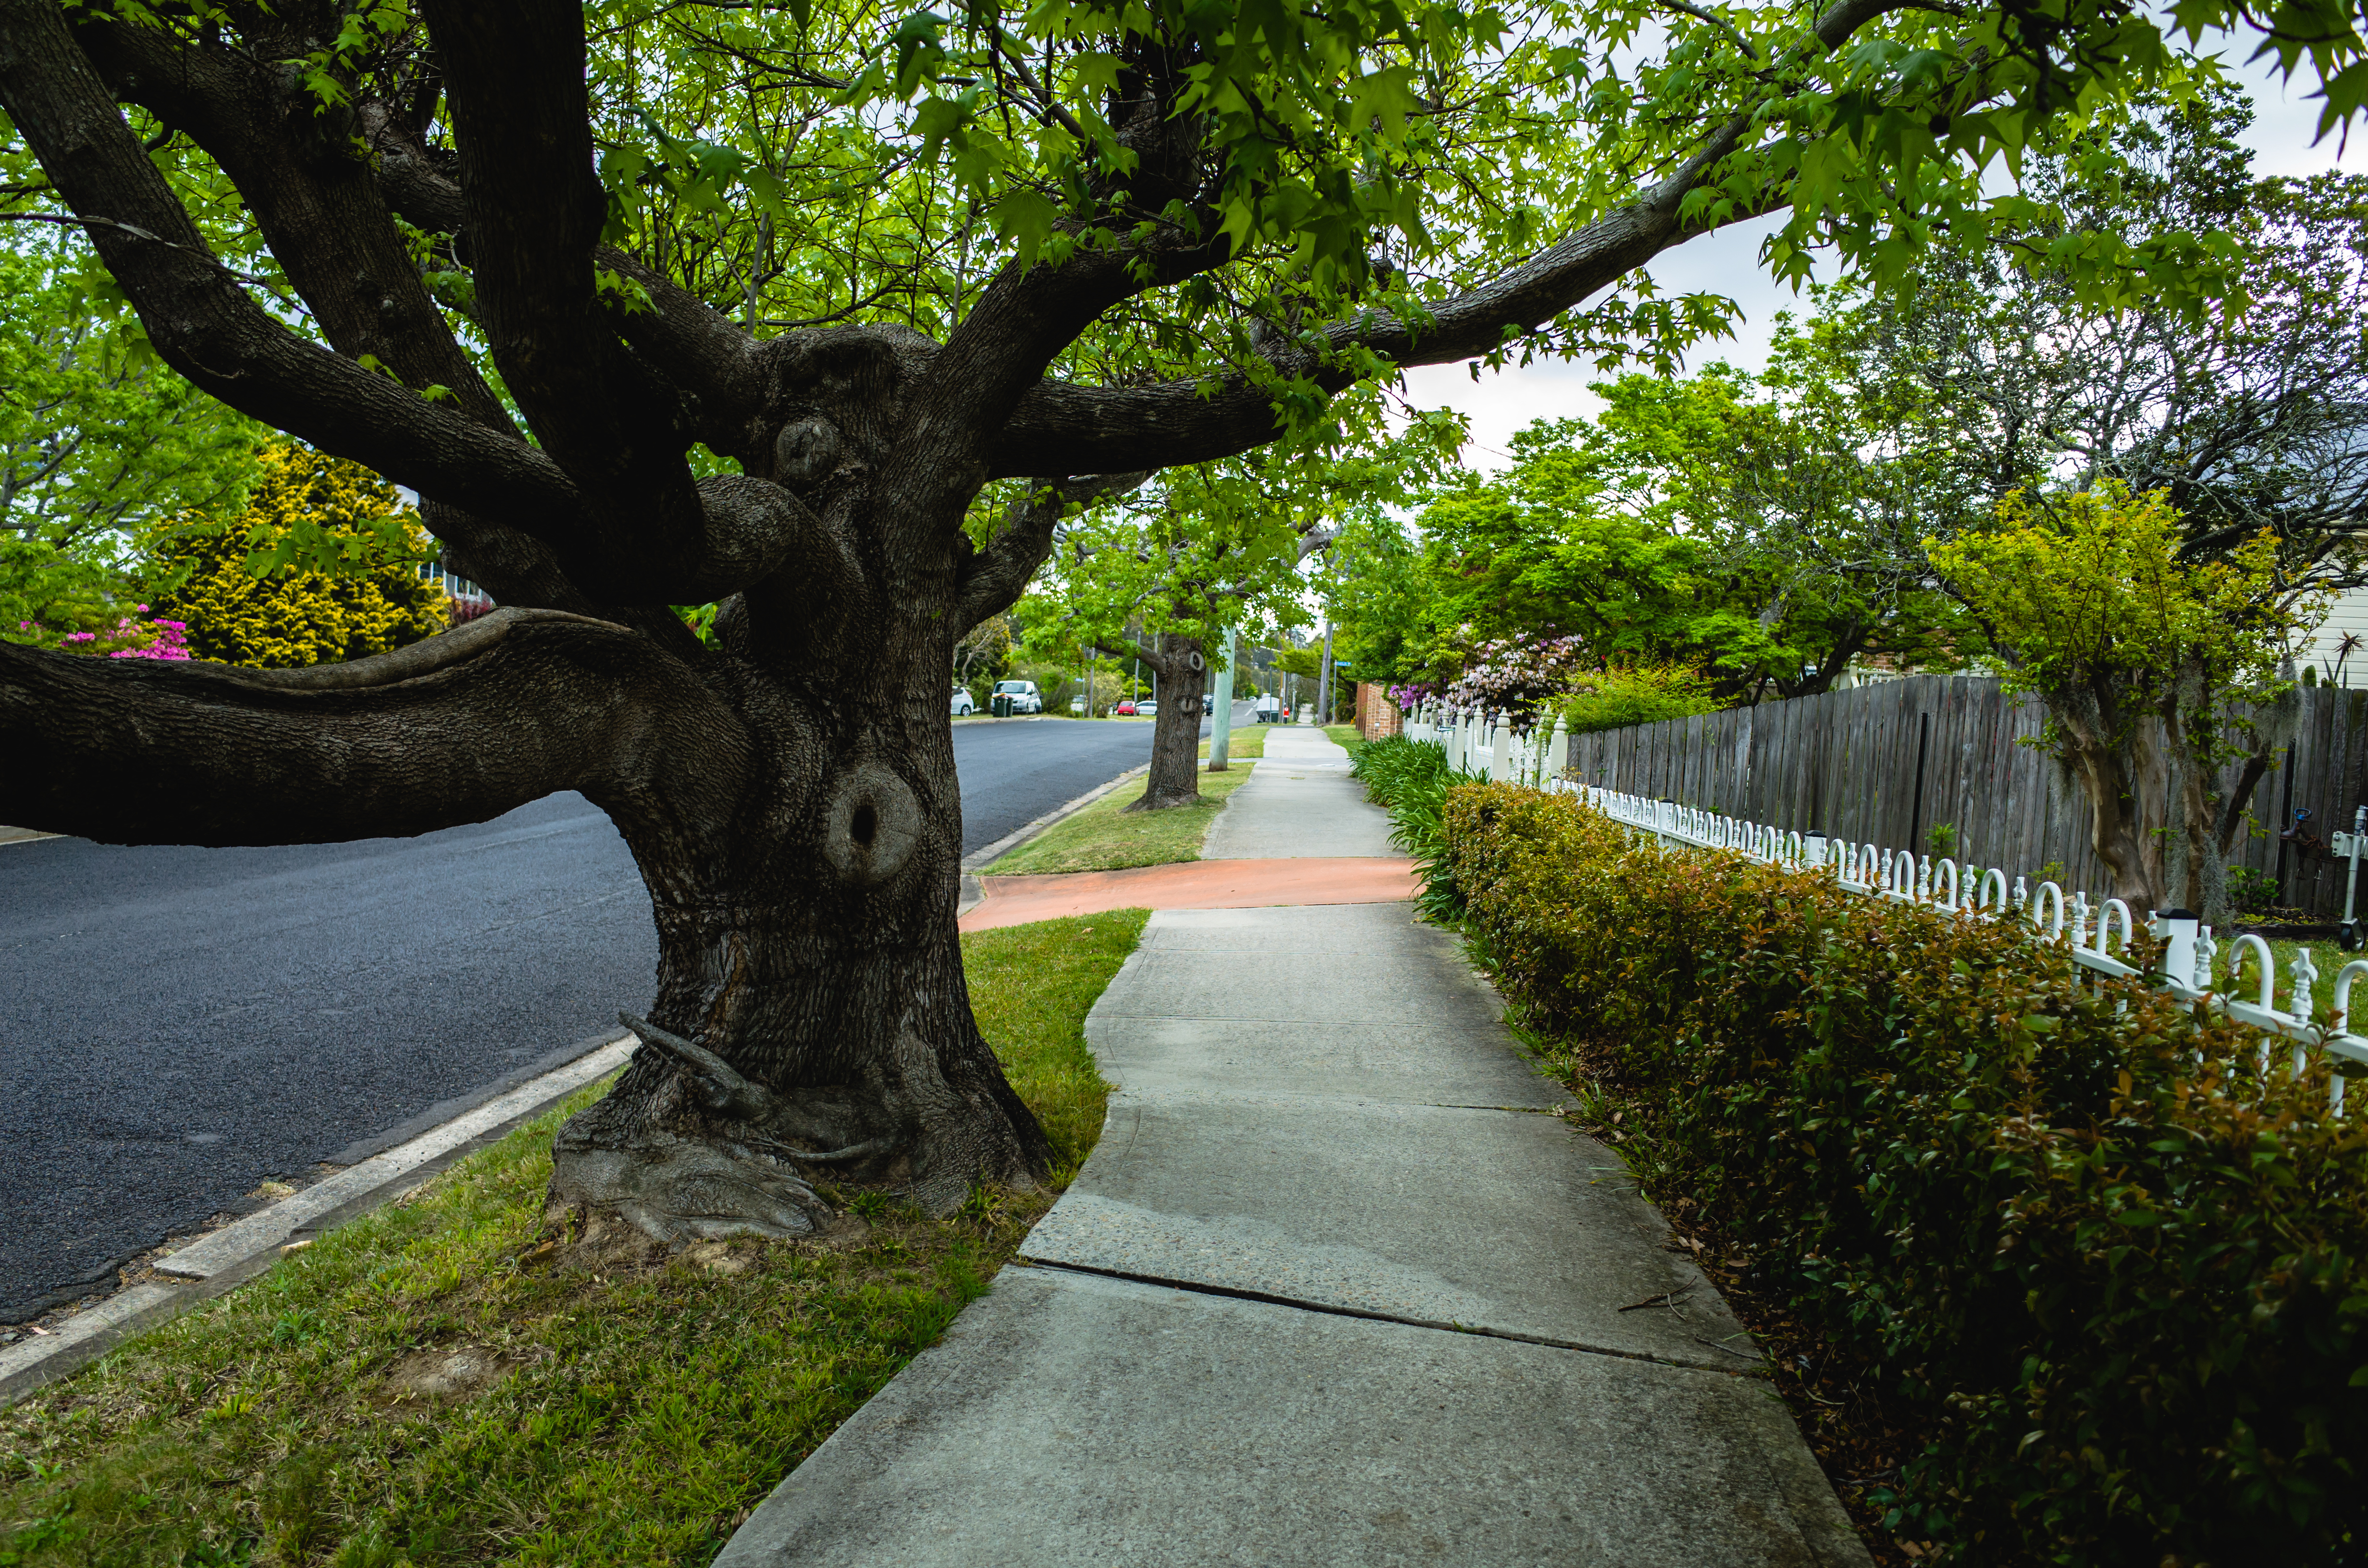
(963, 704)
(1269, 710)
(1147, 706)
(1125, 710)
(1025, 697)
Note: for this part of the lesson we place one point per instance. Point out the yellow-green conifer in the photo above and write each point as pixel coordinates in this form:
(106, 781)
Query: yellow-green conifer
(306, 508)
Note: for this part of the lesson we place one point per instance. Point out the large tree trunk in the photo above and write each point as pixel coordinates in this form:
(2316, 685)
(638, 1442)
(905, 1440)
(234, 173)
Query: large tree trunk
(2159, 817)
(811, 1019)
(1175, 779)
(797, 822)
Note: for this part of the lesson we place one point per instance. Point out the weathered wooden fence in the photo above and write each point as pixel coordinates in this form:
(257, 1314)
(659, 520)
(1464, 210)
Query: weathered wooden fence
(1886, 764)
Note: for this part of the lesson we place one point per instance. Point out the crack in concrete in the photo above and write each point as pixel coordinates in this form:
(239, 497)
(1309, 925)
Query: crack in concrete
(1198, 1287)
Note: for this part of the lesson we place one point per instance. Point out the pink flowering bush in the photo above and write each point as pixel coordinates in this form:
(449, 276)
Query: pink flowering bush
(1518, 678)
(127, 639)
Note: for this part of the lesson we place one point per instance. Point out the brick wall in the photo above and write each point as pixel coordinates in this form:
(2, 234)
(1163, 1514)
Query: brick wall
(1377, 716)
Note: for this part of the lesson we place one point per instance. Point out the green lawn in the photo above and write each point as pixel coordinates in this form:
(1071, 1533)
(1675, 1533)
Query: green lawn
(429, 1386)
(1346, 735)
(1244, 740)
(1106, 838)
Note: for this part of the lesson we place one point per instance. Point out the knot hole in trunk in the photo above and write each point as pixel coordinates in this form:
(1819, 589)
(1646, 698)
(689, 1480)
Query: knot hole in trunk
(874, 824)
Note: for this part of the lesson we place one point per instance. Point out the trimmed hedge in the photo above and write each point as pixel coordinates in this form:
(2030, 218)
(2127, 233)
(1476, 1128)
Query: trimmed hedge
(2120, 1272)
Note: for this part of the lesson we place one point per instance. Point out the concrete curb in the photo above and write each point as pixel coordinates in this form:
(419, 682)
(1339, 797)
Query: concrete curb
(25, 836)
(214, 1264)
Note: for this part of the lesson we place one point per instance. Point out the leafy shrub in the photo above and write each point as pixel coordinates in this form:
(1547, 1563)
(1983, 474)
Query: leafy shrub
(2118, 1268)
(1410, 780)
(2252, 889)
(1518, 678)
(1646, 694)
(47, 593)
(253, 591)
(126, 638)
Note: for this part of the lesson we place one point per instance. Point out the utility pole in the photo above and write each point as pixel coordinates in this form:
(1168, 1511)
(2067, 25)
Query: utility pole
(1324, 680)
(1223, 723)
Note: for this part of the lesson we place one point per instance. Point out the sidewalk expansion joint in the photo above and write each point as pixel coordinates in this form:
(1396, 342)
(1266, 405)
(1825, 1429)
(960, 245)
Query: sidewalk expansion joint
(1582, 1347)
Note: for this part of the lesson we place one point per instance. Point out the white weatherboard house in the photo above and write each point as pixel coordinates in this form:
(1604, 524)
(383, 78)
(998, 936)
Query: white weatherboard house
(2339, 647)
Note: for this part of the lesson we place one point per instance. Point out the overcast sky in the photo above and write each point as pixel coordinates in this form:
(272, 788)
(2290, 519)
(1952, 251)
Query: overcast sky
(1727, 262)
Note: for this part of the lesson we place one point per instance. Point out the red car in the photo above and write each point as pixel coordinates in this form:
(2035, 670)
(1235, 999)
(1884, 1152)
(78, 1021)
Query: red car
(1127, 708)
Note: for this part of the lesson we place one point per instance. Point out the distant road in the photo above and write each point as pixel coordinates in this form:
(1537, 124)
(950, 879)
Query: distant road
(178, 1024)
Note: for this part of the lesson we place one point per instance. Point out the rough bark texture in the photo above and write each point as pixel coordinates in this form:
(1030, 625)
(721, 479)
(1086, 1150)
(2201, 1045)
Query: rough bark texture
(2128, 787)
(789, 792)
(1174, 776)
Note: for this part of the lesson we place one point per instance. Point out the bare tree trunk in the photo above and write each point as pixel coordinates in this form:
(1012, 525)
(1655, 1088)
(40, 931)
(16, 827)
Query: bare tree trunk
(810, 1019)
(2129, 786)
(1175, 778)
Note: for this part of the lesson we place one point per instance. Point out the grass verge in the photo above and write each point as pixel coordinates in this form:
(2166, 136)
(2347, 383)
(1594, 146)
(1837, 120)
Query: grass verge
(1103, 837)
(1242, 740)
(422, 1387)
(1347, 736)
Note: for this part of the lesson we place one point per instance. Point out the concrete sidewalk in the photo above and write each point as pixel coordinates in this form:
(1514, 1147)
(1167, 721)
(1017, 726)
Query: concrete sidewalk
(1300, 802)
(1335, 1288)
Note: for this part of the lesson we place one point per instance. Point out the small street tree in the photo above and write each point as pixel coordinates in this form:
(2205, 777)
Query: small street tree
(2155, 672)
(1167, 571)
(703, 303)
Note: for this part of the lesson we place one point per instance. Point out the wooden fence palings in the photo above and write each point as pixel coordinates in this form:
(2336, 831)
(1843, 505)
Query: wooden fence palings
(1844, 764)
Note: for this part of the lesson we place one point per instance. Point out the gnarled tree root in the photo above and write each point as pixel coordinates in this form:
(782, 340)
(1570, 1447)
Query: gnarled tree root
(689, 1149)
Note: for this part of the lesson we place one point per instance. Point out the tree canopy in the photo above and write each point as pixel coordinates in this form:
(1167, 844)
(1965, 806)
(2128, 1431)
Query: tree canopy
(1762, 531)
(2250, 418)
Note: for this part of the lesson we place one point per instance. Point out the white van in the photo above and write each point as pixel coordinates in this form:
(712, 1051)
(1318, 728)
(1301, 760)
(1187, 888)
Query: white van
(1025, 697)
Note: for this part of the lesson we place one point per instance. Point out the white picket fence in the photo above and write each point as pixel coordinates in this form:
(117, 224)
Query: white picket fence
(1485, 746)
(2191, 960)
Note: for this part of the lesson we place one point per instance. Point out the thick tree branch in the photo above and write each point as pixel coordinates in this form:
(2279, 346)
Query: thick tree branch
(998, 354)
(1055, 427)
(514, 80)
(683, 337)
(992, 581)
(1176, 422)
(204, 324)
(454, 730)
(318, 207)
(327, 222)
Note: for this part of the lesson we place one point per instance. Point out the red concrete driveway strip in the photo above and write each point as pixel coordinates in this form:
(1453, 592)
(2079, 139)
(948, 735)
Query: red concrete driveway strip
(1193, 884)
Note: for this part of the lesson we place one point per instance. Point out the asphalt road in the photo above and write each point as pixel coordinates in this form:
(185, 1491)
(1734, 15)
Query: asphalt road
(178, 1024)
